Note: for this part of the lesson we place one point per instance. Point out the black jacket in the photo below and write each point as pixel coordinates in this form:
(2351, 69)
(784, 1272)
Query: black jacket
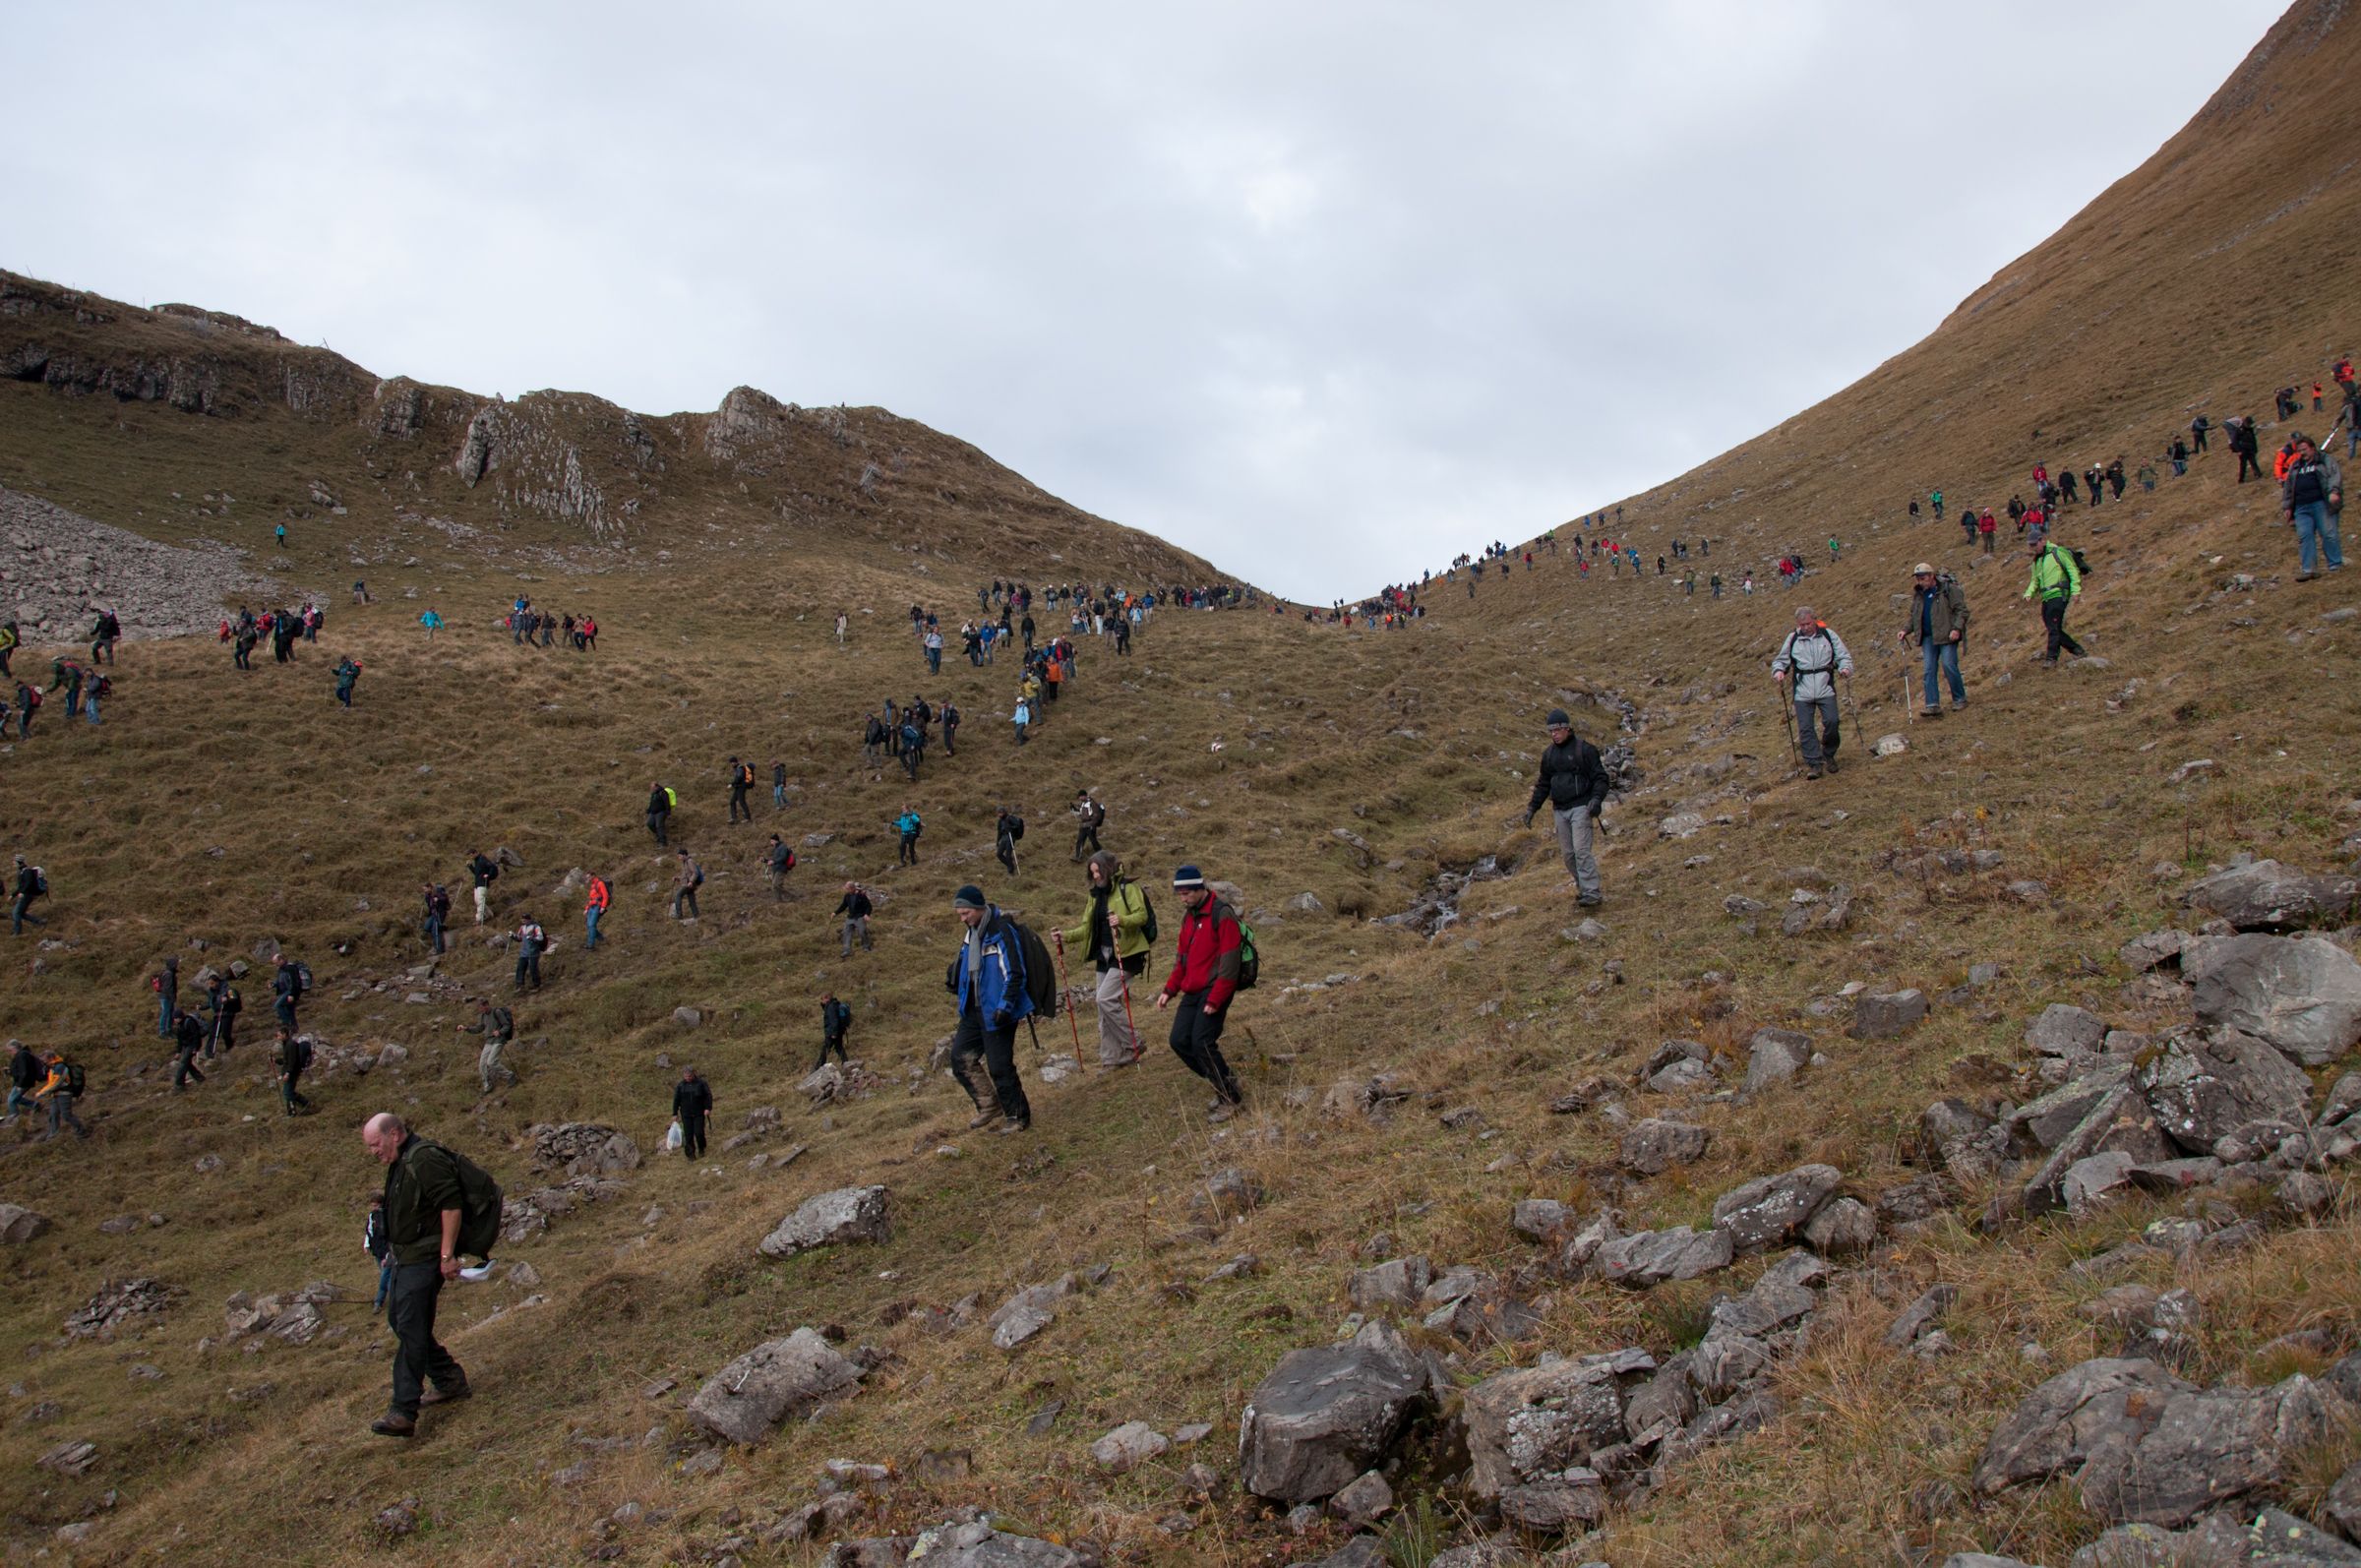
(834, 1019)
(1572, 775)
(854, 906)
(188, 1033)
(23, 1070)
(692, 1102)
(483, 870)
(289, 982)
(659, 804)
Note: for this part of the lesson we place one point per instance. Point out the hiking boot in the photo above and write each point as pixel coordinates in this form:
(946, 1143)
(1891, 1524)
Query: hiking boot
(1812, 773)
(1930, 712)
(393, 1425)
(2305, 577)
(1958, 704)
(1011, 1124)
(983, 1119)
(1588, 901)
(444, 1396)
(1831, 764)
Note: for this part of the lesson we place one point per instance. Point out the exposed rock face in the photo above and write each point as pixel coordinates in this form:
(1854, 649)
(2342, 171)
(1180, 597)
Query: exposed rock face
(848, 1214)
(1770, 1210)
(1326, 1414)
(2264, 895)
(59, 570)
(1655, 1144)
(1542, 1422)
(2211, 1082)
(584, 1148)
(1652, 1257)
(743, 1401)
(2300, 993)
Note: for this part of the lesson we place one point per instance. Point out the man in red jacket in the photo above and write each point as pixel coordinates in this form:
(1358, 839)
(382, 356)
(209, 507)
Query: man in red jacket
(1204, 978)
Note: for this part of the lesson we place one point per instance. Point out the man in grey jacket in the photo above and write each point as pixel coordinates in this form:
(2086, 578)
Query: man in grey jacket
(1807, 665)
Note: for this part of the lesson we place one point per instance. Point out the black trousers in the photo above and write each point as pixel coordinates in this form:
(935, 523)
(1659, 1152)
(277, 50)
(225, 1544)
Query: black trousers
(1196, 1039)
(419, 1359)
(995, 1049)
(1086, 837)
(828, 1043)
(693, 1136)
(2247, 465)
(737, 806)
(655, 825)
(183, 1067)
(2053, 619)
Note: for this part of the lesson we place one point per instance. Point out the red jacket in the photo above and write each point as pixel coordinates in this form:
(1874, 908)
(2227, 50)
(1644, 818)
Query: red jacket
(1208, 955)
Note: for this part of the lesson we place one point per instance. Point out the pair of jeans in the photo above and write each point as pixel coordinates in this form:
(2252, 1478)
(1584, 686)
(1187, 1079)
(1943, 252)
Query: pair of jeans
(433, 933)
(61, 1115)
(22, 910)
(591, 927)
(289, 1095)
(419, 1357)
(685, 898)
(2318, 536)
(164, 1014)
(1940, 659)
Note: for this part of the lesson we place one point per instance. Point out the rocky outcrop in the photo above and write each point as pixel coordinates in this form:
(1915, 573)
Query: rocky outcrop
(1326, 1414)
(846, 1215)
(2264, 895)
(747, 1398)
(2300, 993)
(59, 570)
(584, 1149)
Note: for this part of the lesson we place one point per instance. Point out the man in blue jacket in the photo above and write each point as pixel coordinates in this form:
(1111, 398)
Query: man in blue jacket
(988, 979)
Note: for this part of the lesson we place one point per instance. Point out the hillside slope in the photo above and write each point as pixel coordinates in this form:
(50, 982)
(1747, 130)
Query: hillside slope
(1409, 1084)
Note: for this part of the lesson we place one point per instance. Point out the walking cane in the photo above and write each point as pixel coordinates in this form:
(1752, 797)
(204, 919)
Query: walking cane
(1852, 707)
(1138, 1046)
(1787, 715)
(1065, 992)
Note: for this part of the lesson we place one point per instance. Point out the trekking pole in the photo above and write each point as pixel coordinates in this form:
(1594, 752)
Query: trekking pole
(1787, 716)
(1854, 708)
(1138, 1045)
(1065, 992)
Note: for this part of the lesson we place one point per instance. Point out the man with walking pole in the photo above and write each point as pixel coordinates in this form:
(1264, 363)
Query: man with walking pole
(1813, 656)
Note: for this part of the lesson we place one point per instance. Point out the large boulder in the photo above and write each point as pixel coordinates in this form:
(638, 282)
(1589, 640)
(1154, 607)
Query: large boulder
(743, 1401)
(1774, 1055)
(1325, 1413)
(2059, 1425)
(1655, 1144)
(2209, 1082)
(1537, 1423)
(19, 1223)
(2264, 895)
(1395, 1283)
(2203, 1448)
(848, 1214)
(1654, 1256)
(2234, 1537)
(2300, 993)
(1770, 1210)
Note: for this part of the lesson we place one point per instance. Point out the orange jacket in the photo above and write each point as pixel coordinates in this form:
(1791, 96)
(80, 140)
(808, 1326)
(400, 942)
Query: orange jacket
(598, 894)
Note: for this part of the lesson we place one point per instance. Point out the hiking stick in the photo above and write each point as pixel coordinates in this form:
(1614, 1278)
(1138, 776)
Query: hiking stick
(1138, 1046)
(1855, 708)
(1065, 992)
(1786, 715)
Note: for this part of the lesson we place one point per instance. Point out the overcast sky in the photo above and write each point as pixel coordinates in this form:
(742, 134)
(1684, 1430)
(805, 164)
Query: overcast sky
(1323, 292)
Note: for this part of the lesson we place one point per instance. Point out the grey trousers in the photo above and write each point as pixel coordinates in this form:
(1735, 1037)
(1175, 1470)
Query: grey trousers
(489, 1065)
(1574, 843)
(1816, 728)
(1119, 1045)
(856, 930)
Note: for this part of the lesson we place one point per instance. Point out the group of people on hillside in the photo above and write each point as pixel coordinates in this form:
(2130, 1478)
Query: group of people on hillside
(528, 625)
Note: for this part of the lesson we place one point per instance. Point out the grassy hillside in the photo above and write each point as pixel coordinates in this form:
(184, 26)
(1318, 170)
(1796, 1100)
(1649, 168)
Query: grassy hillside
(238, 810)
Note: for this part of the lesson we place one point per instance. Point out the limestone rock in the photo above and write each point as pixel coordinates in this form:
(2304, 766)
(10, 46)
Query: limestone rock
(743, 1401)
(2064, 1031)
(1653, 1145)
(1538, 1421)
(2211, 1082)
(1774, 1055)
(1886, 1015)
(1841, 1226)
(2300, 993)
(1770, 1210)
(1652, 1257)
(583, 1148)
(848, 1214)
(1397, 1283)
(1325, 1413)
(19, 1223)
(2061, 1423)
(1129, 1447)
(2264, 895)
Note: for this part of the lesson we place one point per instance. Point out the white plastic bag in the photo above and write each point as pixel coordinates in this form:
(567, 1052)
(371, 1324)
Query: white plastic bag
(672, 1139)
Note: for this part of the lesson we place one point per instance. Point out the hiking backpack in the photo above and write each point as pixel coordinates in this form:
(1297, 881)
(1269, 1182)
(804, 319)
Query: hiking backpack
(1250, 956)
(303, 1053)
(1041, 973)
(74, 1078)
(303, 979)
(40, 882)
(1016, 828)
(1148, 904)
(479, 1205)
(2082, 562)
(671, 797)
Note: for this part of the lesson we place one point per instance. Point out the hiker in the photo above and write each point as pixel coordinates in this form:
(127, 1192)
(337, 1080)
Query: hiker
(427, 1206)
(854, 907)
(1007, 829)
(1938, 618)
(438, 911)
(950, 727)
(432, 620)
(1573, 779)
(498, 1026)
(781, 860)
(348, 674)
(692, 1106)
(2245, 444)
(167, 986)
(659, 813)
(778, 785)
(836, 1018)
(872, 736)
(1089, 817)
(373, 1243)
(1936, 498)
(222, 1005)
(280, 533)
(61, 1086)
(842, 621)
(188, 1039)
(531, 942)
(1022, 718)
(686, 880)
(2313, 492)
(1207, 967)
(1114, 936)
(907, 827)
(485, 872)
(2056, 581)
(742, 779)
(1814, 656)
(987, 985)
(1989, 530)
(595, 908)
(913, 739)
(294, 1054)
(23, 1076)
(286, 989)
